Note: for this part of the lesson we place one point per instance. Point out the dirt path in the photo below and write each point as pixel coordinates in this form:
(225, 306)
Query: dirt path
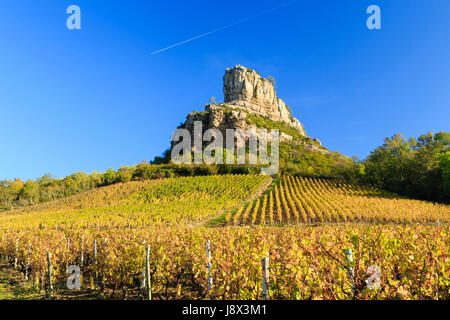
(216, 221)
(263, 187)
(13, 285)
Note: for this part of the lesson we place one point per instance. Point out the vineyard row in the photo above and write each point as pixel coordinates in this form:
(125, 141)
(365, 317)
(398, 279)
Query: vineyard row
(305, 263)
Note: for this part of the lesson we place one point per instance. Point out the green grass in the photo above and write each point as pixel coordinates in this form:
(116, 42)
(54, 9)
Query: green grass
(13, 285)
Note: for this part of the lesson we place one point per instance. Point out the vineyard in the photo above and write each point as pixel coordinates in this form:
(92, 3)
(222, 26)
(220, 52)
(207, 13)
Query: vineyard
(308, 200)
(173, 201)
(305, 262)
(106, 231)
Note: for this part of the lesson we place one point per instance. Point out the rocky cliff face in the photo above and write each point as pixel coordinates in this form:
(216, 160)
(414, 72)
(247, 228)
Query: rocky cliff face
(245, 93)
(245, 89)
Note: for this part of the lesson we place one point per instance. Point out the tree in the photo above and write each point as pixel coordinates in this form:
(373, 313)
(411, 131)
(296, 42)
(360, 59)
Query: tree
(272, 80)
(109, 177)
(444, 166)
(15, 187)
(124, 174)
(81, 181)
(95, 179)
(69, 186)
(45, 179)
(49, 188)
(29, 194)
(387, 166)
(6, 196)
(412, 167)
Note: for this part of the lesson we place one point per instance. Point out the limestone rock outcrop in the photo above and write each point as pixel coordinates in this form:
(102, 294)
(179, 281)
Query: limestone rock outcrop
(245, 89)
(245, 93)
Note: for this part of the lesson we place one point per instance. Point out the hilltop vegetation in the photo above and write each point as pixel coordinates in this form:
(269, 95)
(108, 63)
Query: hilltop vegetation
(416, 168)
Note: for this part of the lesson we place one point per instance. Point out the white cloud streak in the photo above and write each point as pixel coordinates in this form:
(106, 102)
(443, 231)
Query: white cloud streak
(224, 27)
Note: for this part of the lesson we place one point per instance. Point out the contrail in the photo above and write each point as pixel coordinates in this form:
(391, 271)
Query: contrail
(224, 27)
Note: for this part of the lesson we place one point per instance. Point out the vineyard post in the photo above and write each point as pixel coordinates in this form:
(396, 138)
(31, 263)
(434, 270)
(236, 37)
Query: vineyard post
(95, 262)
(351, 275)
(16, 253)
(68, 252)
(50, 284)
(82, 259)
(142, 278)
(147, 273)
(265, 278)
(82, 251)
(30, 248)
(102, 281)
(208, 252)
(6, 253)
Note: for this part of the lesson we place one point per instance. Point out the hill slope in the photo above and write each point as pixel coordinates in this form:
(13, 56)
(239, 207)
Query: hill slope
(180, 201)
(176, 201)
(306, 262)
(311, 200)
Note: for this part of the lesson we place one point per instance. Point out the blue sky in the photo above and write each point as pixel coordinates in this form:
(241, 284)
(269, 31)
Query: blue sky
(95, 98)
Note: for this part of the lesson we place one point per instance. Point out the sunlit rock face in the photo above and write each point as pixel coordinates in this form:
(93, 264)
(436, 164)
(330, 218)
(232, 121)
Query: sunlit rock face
(245, 93)
(246, 89)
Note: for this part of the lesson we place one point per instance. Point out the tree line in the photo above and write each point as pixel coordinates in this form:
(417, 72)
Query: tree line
(17, 193)
(417, 168)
